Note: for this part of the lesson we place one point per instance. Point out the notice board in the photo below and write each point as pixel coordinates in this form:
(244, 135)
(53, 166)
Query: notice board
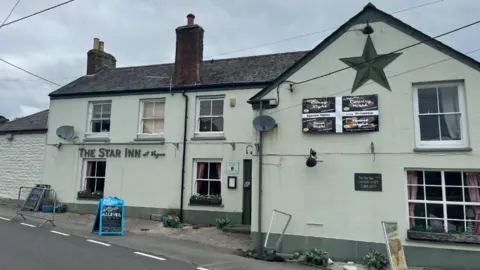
(109, 218)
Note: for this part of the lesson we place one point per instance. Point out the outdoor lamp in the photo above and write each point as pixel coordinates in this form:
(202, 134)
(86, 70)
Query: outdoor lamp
(312, 159)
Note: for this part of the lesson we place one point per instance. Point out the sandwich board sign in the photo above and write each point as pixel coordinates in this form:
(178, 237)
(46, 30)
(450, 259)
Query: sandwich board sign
(396, 254)
(109, 218)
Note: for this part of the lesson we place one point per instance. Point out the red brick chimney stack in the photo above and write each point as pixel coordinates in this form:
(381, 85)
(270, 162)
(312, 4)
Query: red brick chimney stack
(189, 53)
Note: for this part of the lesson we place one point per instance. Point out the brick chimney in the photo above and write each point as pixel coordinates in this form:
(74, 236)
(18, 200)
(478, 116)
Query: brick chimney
(98, 59)
(189, 52)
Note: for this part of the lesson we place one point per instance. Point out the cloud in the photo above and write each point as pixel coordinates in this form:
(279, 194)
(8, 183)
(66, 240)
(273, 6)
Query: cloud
(54, 44)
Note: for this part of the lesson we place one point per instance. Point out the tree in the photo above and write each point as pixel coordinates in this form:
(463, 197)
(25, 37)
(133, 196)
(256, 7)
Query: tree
(3, 119)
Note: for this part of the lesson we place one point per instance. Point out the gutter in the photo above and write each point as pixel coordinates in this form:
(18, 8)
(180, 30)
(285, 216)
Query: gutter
(184, 154)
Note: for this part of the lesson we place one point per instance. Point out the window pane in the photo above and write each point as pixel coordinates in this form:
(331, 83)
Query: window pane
(472, 194)
(453, 178)
(90, 184)
(214, 170)
(455, 212)
(97, 110)
(448, 99)
(433, 178)
(470, 212)
(202, 187)
(217, 124)
(100, 185)
(454, 194)
(215, 188)
(435, 210)
(205, 107)
(96, 125)
(429, 130)
(158, 126)
(469, 181)
(148, 109)
(419, 223)
(455, 226)
(433, 193)
(419, 209)
(101, 168)
(202, 170)
(205, 124)
(416, 193)
(436, 224)
(148, 126)
(159, 109)
(450, 127)
(105, 125)
(217, 107)
(427, 100)
(106, 109)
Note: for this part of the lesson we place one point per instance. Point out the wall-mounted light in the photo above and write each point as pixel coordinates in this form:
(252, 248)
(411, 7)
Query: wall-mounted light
(312, 159)
(368, 29)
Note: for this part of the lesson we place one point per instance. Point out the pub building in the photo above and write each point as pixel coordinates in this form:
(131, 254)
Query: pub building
(364, 133)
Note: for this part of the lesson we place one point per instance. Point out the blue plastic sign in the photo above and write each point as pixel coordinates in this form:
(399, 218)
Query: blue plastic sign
(109, 218)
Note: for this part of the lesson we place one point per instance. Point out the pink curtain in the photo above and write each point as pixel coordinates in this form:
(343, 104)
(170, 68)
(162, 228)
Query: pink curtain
(412, 194)
(473, 181)
(200, 171)
(89, 174)
(219, 173)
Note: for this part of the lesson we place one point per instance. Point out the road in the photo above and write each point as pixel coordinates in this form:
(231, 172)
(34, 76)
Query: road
(24, 246)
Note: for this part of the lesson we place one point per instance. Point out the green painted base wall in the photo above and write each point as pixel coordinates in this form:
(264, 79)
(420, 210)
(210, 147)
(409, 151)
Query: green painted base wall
(347, 250)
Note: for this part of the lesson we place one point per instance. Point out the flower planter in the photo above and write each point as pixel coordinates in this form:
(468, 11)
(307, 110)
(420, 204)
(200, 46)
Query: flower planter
(205, 202)
(89, 196)
(444, 237)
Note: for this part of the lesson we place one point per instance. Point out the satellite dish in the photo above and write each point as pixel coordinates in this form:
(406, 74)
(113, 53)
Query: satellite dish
(264, 123)
(65, 132)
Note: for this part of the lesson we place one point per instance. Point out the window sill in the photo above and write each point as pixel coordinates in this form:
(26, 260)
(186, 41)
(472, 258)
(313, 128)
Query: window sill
(149, 138)
(97, 137)
(208, 138)
(439, 150)
(443, 237)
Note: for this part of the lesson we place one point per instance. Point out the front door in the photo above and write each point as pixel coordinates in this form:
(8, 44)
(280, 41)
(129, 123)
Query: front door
(247, 191)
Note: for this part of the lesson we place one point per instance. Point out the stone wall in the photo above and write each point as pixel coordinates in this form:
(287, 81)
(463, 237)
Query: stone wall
(21, 163)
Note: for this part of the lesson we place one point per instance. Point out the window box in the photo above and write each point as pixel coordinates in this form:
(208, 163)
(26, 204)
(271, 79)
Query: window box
(206, 200)
(444, 237)
(84, 195)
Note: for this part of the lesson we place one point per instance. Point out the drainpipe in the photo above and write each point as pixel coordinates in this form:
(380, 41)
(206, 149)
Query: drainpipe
(260, 178)
(184, 155)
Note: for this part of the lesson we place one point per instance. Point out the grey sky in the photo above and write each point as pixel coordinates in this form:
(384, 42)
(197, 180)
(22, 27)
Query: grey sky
(141, 32)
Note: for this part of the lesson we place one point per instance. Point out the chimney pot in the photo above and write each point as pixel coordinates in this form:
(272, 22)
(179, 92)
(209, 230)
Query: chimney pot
(101, 46)
(190, 19)
(96, 44)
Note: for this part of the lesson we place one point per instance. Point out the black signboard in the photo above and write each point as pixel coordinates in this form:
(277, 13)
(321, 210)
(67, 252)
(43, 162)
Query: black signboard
(340, 114)
(109, 218)
(368, 182)
(34, 199)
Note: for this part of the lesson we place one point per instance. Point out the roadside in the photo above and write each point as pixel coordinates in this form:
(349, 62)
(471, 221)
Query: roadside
(195, 246)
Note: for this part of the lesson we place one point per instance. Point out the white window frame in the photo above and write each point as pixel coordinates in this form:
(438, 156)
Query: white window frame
(444, 201)
(90, 133)
(197, 117)
(195, 170)
(140, 133)
(83, 183)
(463, 118)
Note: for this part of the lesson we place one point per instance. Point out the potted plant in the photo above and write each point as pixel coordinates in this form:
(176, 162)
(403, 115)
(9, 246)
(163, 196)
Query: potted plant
(206, 200)
(88, 195)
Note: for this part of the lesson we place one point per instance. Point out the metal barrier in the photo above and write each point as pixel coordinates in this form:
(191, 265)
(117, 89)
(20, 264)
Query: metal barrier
(27, 210)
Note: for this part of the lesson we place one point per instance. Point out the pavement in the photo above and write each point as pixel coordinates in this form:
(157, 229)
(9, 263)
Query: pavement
(36, 243)
(23, 246)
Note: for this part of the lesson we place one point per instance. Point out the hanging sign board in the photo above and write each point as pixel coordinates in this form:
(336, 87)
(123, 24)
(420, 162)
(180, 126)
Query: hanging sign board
(340, 114)
(109, 218)
(396, 254)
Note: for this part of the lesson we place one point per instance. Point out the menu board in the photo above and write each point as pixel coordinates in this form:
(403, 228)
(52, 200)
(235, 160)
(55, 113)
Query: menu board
(109, 218)
(340, 114)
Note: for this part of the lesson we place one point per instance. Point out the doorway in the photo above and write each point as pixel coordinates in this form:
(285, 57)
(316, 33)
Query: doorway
(247, 192)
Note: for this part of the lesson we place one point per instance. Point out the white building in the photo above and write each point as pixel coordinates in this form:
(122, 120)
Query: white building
(157, 135)
(22, 148)
(424, 157)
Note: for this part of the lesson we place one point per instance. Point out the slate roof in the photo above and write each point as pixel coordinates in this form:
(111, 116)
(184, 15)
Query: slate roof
(369, 14)
(252, 69)
(33, 123)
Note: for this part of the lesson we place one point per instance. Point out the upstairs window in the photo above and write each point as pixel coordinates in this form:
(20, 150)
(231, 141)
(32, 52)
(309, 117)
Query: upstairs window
(99, 117)
(152, 119)
(210, 115)
(440, 118)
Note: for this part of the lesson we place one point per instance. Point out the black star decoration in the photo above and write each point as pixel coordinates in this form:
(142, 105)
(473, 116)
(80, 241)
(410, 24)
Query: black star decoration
(370, 66)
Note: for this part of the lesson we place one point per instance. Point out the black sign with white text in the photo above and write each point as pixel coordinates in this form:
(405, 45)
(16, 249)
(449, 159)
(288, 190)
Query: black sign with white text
(368, 182)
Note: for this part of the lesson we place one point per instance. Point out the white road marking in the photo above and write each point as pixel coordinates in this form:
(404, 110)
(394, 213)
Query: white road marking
(29, 225)
(150, 256)
(61, 233)
(201, 268)
(100, 243)
(7, 219)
